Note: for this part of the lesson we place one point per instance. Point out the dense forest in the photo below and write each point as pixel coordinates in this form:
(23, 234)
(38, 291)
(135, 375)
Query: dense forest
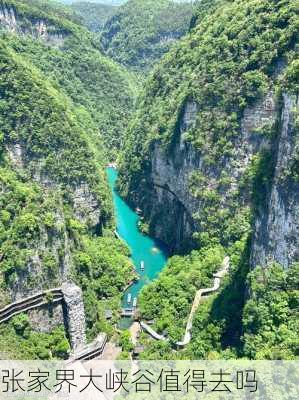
(56, 211)
(93, 82)
(94, 15)
(198, 106)
(141, 31)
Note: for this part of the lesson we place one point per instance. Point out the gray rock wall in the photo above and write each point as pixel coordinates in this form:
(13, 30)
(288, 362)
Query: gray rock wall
(39, 28)
(46, 318)
(75, 315)
(172, 201)
(276, 236)
(173, 209)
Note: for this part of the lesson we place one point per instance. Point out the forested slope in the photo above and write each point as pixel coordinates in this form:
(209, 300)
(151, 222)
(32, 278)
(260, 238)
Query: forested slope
(68, 54)
(141, 31)
(212, 161)
(56, 219)
(93, 15)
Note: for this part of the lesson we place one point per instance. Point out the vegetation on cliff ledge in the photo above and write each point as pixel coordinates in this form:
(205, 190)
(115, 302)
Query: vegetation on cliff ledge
(68, 55)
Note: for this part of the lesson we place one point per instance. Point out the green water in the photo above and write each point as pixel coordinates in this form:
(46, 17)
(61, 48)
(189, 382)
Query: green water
(143, 248)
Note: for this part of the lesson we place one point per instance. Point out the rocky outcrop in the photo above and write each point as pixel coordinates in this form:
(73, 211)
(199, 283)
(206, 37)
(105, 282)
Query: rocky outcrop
(86, 205)
(75, 314)
(36, 27)
(174, 209)
(276, 236)
(8, 18)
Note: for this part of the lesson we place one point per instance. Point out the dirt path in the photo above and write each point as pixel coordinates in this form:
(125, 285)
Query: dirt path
(111, 352)
(135, 330)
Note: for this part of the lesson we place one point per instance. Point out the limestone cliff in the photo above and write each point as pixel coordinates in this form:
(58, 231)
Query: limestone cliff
(38, 26)
(212, 152)
(172, 206)
(276, 236)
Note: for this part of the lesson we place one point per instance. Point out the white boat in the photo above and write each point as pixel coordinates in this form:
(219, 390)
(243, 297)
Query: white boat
(142, 265)
(135, 302)
(129, 298)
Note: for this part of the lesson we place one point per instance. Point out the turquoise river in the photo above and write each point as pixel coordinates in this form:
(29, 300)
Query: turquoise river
(144, 250)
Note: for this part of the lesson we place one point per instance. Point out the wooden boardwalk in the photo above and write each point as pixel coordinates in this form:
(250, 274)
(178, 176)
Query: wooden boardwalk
(53, 296)
(37, 300)
(90, 351)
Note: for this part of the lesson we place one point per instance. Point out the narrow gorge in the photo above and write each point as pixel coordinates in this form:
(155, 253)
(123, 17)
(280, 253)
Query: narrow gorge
(149, 162)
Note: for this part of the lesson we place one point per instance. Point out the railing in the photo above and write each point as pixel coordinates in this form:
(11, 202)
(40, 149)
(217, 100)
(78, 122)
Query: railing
(94, 349)
(34, 301)
(52, 296)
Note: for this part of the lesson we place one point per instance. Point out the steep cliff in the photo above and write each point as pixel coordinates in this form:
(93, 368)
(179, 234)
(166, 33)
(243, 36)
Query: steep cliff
(203, 130)
(211, 159)
(276, 232)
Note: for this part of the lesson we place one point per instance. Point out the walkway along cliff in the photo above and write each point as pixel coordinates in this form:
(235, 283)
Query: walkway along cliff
(70, 295)
(199, 294)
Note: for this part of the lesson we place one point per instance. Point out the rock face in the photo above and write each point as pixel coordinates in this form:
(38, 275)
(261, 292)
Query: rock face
(171, 173)
(46, 318)
(172, 201)
(86, 205)
(37, 27)
(276, 236)
(8, 18)
(173, 208)
(75, 316)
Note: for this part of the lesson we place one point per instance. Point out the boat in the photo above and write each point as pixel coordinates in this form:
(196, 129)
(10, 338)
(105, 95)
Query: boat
(155, 250)
(142, 265)
(135, 302)
(129, 298)
(112, 165)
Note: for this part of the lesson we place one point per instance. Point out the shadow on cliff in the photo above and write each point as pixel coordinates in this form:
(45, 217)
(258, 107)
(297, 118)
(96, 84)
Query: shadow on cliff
(229, 304)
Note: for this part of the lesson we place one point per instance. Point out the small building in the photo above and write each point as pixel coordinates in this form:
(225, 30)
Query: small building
(137, 351)
(108, 315)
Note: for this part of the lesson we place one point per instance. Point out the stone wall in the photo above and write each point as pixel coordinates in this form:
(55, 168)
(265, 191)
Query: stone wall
(75, 315)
